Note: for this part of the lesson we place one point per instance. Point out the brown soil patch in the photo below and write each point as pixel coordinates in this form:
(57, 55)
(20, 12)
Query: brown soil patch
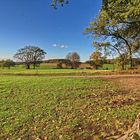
(132, 87)
(129, 83)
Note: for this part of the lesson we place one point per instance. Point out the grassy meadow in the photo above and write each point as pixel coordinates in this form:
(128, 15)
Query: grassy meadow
(63, 108)
(51, 72)
(50, 69)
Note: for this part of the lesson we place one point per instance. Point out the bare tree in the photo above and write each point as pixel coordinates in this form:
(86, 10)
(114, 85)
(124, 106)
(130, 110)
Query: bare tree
(74, 58)
(30, 55)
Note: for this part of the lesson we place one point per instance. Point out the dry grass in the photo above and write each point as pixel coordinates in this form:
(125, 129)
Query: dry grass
(132, 87)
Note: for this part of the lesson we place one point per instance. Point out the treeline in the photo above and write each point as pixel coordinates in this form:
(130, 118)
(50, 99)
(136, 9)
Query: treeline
(34, 56)
(7, 63)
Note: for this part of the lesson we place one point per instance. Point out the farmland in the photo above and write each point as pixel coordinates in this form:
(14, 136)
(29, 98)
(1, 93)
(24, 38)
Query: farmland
(63, 72)
(66, 108)
(52, 72)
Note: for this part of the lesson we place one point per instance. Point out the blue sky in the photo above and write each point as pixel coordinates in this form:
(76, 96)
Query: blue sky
(35, 22)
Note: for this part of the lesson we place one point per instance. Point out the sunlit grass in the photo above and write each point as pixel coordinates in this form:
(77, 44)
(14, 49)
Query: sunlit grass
(61, 72)
(63, 108)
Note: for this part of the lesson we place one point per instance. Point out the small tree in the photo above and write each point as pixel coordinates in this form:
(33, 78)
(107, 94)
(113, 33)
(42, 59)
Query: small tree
(96, 59)
(30, 55)
(74, 58)
(1, 63)
(8, 63)
(117, 49)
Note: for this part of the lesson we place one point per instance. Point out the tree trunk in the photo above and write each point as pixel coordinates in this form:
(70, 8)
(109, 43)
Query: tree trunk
(122, 62)
(130, 57)
(131, 61)
(27, 66)
(34, 66)
(113, 67)
(96, 67)
(123, 66)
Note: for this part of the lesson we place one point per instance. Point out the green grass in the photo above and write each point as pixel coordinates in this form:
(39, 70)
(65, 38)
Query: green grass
(108, 67)
(42, 70)
(66, 108)
(52, 72)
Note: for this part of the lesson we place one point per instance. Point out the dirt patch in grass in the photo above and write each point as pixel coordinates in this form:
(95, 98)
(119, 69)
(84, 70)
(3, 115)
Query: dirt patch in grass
(129, 83)
(132, 87)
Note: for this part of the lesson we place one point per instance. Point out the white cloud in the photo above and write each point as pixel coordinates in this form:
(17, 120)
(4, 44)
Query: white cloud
(54, 45)
(61, 46)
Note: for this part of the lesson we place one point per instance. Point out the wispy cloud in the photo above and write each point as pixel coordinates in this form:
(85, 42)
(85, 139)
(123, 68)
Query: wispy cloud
(61, 46)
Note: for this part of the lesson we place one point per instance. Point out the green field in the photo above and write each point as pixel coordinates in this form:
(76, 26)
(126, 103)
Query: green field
(53, 72)
(63, 108)
(50, 69)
